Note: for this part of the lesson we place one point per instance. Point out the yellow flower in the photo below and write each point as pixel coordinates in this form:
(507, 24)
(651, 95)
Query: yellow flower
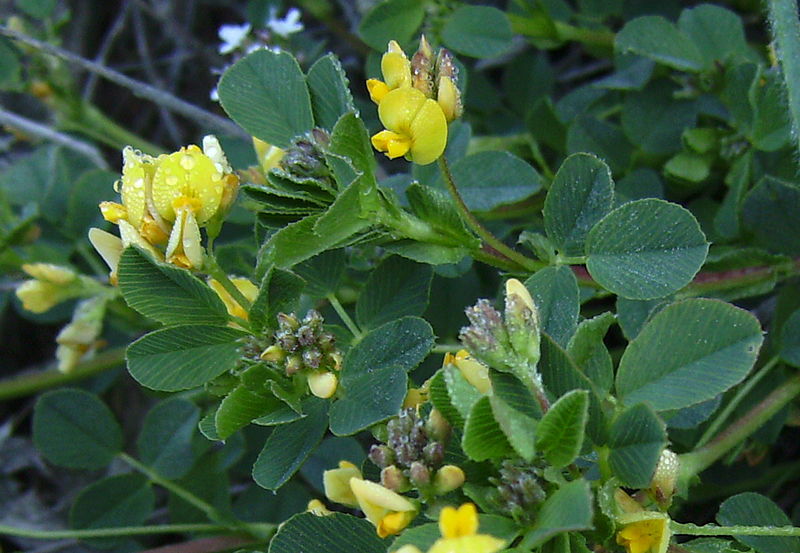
(416, 126)
(337, 483)
(247, 288)
(646, 535)
(388, 511)
(459, 528)
(80, 336)
(396, 71)
(317, 507)
(475, 372)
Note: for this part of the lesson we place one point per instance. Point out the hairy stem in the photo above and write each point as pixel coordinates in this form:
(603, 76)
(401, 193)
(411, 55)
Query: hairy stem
(714, 530)
(491, 240)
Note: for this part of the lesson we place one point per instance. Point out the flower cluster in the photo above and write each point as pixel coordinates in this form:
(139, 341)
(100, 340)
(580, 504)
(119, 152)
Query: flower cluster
(416, 100)
(306, 347)
(519, 490)
(413, 455)
(165, 202)
(459, 528)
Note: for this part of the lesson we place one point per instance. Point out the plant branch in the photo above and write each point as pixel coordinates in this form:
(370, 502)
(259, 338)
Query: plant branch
(342, 312)
(217, 273)
(695, 462)
(714, 530)
(491, 240)
(31, 383)
(138, 88)
(113, 532)
(39, 130)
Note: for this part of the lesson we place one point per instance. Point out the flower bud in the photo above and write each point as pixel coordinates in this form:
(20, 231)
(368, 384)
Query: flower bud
(422, 68)
(447, 479)
(81, 334)
(393, 479)
(419, 474)
(433, 454)
(273, 353)
(522, 321)
(293, 364)
(475, 372)
(318, 508)
(381, 455)
(322, 384)
(663, 484)
(437, 426)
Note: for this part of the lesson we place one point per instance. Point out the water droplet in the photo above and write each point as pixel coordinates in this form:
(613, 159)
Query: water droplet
(187, 162)
(172, 180)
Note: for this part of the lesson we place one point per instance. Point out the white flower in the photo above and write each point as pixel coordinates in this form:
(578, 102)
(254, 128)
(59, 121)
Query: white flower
(286, 26)
(232, 37)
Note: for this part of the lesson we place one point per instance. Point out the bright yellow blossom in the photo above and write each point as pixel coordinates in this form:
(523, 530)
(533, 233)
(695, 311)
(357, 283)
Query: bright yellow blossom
(51, 285)
(459, 528)
(268, 156)
(475, 372)
(322, 384)
(416, 126)
(646, 535)
(388, 511)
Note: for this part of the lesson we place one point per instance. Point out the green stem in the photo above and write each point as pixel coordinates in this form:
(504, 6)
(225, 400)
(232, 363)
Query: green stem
(342, 312)
(216, 272)
(28, 384)
(209, 510)
(446, 348)
(742, 393)
(786, 36)
(592, 37)
(695, 462)
(714, 530)
(492, 241)
(125, 531)
(92, 122)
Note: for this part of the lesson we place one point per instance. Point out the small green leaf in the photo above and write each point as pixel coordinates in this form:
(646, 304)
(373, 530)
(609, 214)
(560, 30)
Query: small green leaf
(183, 357)
(165, 441)
(289, 445)
(556, 295)
(770, 211)
(753, 509)
(73, 428)
(635, 441)
(396, 288)
(265, 92)
(438, 210)
(646, 249)
(569, 509)
(391, 20)
(166, 293)
(278, 293)
(582, 193)
(657, 38)
(374, 374)
(242, 406)
(559, 435)
(487, 180)
(687, 353)
(440, 399)
(323, 272)
(718, 33)
(590, 354)
(336, 533)
(483, 438)
(292, 244)
(330, 91)
(478, 31)
(519, 428)
(654, 119)
(114, 502)
(601, 138)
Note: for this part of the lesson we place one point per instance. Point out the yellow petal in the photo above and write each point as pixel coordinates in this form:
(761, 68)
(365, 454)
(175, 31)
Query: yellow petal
(377, 90)
(113, 212)
(479, 543)
(396, 70)
(50, 272)
(461, 522)
(394, 523)
(375, 494)
(336, 483)
(428, 133)
(393, 144)
(191, 174)
(38, 296)
(137, 171)
(399, 107)
(449, 99)
(475, 372)
(108, 246)
(322, 384)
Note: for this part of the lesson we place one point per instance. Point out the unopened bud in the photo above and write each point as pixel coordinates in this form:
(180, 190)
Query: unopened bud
(447, 479)
(293, 364)
(274, 353)
(312, 358)
(522, 321)
(422, 68)
(318, 508)
(437, 426)
(381, 455)
(663, 484)
(323, 384)
(433, 453)
(419, 474)
(449, 99)
(394, 479)
(288, 322)
(414, 397)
